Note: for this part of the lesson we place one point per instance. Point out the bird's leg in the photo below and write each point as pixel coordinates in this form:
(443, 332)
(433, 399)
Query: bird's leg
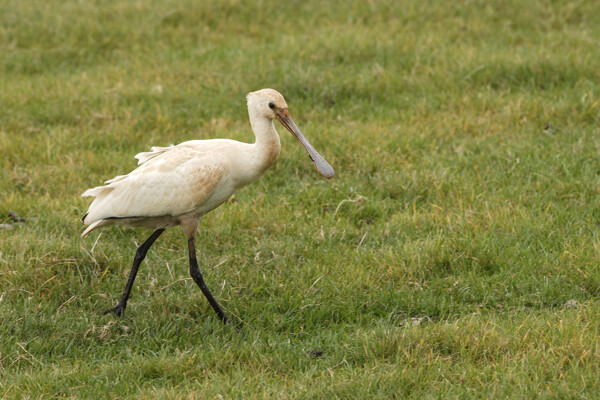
(197, 276)
(140, 254)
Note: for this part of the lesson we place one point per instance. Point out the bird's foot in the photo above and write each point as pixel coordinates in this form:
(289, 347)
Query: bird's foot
(236, 326)
(118, 310)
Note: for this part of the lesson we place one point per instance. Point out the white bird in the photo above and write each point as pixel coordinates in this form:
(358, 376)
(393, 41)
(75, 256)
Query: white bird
(177, 185)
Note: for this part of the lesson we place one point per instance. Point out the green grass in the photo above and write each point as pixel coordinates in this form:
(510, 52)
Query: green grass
(465, 138)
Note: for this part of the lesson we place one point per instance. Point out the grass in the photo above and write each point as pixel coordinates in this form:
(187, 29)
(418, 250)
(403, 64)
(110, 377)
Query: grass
(454, 255)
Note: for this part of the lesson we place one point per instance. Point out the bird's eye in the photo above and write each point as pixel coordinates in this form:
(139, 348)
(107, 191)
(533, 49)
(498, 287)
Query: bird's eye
(271, 106)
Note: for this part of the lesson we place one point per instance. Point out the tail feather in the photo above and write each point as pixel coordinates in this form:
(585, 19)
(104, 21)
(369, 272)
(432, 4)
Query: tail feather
(93, 226)
(100, 192)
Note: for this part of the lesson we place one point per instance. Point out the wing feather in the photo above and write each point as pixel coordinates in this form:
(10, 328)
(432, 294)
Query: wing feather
(155, 151)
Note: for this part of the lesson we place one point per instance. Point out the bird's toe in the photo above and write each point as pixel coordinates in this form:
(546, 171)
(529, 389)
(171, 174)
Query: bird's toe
(117, 310)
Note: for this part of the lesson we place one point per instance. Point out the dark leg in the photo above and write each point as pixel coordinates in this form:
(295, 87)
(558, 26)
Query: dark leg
(140, 254)
(197, 276)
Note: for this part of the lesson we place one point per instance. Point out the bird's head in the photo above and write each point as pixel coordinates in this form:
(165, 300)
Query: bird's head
(266, 103)
(270, 104)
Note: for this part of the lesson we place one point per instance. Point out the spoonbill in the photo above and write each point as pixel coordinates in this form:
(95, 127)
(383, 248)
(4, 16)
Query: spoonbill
(177, 185)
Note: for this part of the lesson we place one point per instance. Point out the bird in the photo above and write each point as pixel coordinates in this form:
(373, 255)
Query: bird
(177, 185)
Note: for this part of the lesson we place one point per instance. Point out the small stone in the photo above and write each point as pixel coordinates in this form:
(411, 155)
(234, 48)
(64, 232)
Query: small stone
(549, 129)
(316, 353)
(413, 321)
(571, 304)
(5, 227)
(15, 217)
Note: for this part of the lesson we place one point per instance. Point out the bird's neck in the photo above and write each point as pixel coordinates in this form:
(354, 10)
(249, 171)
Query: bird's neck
(267, 145)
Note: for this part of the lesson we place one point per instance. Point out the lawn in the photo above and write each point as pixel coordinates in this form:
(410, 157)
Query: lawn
(455, 253)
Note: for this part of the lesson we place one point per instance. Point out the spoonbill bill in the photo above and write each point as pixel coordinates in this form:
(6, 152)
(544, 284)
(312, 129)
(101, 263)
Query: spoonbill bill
(177, 185)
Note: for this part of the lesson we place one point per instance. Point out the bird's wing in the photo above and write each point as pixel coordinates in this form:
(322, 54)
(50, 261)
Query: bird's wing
(173, 182)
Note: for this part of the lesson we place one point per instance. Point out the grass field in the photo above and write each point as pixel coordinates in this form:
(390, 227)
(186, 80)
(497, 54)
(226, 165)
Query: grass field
(454, 255)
